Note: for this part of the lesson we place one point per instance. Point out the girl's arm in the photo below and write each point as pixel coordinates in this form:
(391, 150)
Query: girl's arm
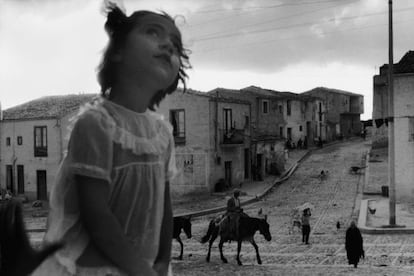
(164, 252)
(104, 229)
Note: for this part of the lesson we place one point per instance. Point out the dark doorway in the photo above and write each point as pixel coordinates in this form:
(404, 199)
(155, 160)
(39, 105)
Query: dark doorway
(308, 132)
(227, 173)
(259, 167)
(20, 179)
(41, 185)
(246, 163)
(289, 133)
(9, 178)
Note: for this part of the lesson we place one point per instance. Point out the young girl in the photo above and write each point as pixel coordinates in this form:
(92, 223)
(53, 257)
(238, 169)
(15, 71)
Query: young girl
(111, 203)
(306, 225)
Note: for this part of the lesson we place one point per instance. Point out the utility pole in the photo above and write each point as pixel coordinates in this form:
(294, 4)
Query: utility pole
(391, 140)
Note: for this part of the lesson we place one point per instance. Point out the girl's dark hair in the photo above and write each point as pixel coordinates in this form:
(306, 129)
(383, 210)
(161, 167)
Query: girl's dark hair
(118, 26)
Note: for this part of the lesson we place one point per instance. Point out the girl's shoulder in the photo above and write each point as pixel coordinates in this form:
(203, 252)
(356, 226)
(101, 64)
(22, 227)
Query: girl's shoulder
(163, 123)
(92, 113)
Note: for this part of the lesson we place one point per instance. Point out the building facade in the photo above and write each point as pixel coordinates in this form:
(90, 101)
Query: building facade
(343, 111)
(276, 118)
(403, 122)
(212, 137)
(33, 140)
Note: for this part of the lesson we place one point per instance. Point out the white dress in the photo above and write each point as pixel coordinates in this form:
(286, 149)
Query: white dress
(134, 152)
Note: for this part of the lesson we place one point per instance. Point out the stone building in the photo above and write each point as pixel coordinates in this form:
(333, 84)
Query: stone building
(33, 139)
(304, 117)
(343, 111)
(267, 146)
(276, 117)
(380, 98)
(212, 136)
(212, 140)
(403, 122)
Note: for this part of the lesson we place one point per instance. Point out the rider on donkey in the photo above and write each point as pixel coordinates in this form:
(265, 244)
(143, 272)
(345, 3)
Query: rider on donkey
(232, 216)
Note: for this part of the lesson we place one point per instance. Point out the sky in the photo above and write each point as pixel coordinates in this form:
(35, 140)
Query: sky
(52, 47)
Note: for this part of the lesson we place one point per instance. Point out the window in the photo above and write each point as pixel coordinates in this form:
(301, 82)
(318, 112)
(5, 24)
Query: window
(265, 106)
(288, 107)
(19, 140)
(177, 119)
(40, 141)
(227, 119)
(300, 128)
(8, 141)
(320, 112)
(281, 109)
(281, 132)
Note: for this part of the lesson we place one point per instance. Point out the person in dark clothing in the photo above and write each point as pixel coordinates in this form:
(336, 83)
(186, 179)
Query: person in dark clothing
(354, 245)
(233, 211)
(300, 143)
(305, 143)
(231, 218)
(306, 226)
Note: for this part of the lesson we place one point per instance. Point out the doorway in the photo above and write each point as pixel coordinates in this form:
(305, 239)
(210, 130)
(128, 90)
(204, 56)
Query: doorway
(41, 185)
(246, 163)
(20, 179)
(227, 173)
(9, 178)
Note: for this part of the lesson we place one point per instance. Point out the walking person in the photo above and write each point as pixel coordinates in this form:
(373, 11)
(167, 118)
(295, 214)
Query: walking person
(354, 244)
(305, 220)
(111, 203)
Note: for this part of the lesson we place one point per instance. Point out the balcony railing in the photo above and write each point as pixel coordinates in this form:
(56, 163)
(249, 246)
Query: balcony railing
(232, 136)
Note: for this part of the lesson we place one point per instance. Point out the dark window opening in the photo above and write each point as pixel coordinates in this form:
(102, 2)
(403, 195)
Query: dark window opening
(177, 119)
(40, 141)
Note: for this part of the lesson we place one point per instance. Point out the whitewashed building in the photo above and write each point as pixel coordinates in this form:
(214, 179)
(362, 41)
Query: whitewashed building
(33, 139)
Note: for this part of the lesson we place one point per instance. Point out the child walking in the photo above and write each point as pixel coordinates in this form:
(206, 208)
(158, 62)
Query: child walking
(111, 202)
(306, 226)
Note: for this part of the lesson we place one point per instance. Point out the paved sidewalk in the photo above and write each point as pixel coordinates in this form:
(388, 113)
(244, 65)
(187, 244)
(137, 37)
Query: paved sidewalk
(376, 176)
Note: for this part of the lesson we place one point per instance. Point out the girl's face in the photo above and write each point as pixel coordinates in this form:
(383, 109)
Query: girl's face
(151, 51)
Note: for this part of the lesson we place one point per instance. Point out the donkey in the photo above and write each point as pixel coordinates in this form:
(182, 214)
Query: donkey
(181, 223)
(247, 228)
(17, 257)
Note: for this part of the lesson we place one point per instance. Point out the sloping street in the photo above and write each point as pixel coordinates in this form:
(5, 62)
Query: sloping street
(335, 198)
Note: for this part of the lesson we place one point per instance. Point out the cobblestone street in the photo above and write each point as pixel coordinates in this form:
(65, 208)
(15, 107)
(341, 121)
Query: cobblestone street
(335, 199)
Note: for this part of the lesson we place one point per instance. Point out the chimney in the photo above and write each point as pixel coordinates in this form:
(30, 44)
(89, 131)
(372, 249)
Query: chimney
(1, 113)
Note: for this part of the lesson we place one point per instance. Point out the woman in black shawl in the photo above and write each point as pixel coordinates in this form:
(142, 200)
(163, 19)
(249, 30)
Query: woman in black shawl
(354, 244)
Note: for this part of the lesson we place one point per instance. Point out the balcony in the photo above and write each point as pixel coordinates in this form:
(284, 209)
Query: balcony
(232, 136)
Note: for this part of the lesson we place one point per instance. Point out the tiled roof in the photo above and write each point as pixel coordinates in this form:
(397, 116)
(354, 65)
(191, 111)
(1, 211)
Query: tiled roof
(47, 107)
(193, 92)
(278, 94)
(229, 95)
(224, 92)
(258, 91)
(330, 90)
(261, 91)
